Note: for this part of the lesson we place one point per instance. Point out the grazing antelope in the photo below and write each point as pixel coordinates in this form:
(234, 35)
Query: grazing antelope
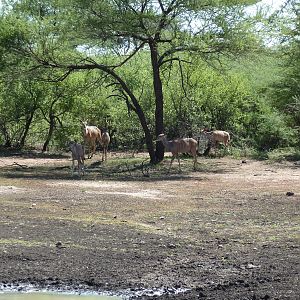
(182, 145)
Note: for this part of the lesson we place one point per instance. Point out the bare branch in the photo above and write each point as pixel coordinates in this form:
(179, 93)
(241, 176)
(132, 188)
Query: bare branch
(181, 76)
(161, 6)
(131, 55)
(175, 59)
(186, 48)
(144, 5)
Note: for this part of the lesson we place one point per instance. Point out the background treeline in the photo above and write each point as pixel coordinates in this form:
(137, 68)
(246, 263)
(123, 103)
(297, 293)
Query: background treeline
(254, 94)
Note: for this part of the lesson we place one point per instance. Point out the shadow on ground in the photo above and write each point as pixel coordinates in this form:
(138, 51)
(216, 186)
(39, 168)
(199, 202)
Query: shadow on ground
(128, 169)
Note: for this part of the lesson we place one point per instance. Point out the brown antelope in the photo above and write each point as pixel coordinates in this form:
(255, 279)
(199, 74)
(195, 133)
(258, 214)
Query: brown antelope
(182, 145)
(91, 135)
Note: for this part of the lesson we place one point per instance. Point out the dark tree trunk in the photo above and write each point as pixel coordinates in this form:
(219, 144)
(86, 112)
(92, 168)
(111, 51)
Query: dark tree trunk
(26, 129)
(159, 100)
(142, 118)
(139, 111)
(50, 131)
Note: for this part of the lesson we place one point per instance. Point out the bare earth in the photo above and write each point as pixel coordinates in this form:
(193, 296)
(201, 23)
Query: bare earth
(227, 231)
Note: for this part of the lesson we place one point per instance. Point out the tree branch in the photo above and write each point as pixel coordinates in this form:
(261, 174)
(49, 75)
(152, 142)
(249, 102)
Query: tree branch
(131, 55)
(182, 49)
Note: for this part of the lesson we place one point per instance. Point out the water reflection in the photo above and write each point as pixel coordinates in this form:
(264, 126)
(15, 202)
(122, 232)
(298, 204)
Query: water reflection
(50, 296)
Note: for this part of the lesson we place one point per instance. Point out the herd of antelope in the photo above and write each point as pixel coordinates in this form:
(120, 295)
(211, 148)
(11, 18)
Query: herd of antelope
(92, 135)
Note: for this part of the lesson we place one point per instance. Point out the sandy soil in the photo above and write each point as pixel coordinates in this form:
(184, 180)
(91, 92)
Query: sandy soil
(226, 231)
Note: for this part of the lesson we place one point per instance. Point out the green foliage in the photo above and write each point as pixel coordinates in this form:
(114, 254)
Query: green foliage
(207, 98)
(273, 132)
(89, 60)
(286, 91)
(127, 134)
(282, 154)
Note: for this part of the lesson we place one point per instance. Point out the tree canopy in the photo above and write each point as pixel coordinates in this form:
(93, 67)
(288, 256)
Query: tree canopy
(143, 53)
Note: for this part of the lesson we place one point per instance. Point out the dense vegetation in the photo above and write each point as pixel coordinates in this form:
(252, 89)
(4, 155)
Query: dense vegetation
(141, 67)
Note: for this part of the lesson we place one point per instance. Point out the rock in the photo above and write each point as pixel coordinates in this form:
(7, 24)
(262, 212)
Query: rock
(251, 266)
(171, 246)
(58, 244)
(290, 194)
(201, 295)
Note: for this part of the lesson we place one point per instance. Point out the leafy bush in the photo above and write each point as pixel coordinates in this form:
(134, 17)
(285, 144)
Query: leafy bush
(281, 154)
(273, 132)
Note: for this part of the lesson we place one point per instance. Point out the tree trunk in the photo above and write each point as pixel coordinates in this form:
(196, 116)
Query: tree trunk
(26, 129)
(138, 110)
(50, 131)
(149, 143)
(159, 100)
(142, 118)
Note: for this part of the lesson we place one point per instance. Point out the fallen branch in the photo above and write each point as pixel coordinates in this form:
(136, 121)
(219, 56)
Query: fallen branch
(19, 165)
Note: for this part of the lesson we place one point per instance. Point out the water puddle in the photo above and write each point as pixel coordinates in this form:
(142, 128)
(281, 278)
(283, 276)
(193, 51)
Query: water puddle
(53, 296)
(30, 292)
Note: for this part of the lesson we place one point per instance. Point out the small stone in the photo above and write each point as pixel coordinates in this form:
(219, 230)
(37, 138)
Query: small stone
(251, 266)
(58, 244)
(290, 194)
(201, 295)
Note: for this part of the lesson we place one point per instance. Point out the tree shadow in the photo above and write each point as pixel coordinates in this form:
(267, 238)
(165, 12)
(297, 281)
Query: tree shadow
(11, 152)
(116, 169)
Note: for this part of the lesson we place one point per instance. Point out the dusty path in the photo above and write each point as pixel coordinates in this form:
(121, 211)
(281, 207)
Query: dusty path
(227, 231)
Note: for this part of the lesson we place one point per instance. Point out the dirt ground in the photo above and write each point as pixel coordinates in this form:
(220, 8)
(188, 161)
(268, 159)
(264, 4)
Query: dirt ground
(229, 230)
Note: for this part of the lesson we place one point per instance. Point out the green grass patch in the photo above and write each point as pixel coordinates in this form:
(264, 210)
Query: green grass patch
(284, 154)
(22, 242)
(276, 155)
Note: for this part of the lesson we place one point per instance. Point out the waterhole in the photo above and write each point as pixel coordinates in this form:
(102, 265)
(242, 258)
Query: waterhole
(53, 296)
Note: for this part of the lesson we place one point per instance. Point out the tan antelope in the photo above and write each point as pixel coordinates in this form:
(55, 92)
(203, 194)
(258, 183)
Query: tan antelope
(181, 145)
(91, 135)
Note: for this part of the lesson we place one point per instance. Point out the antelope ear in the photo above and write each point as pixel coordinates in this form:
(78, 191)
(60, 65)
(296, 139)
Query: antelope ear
(84, 122)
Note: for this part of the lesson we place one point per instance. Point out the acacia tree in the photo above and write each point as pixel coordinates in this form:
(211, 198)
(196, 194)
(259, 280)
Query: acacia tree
(105, 35)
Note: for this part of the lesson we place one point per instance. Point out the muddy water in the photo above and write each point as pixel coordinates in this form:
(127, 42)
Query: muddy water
(49, 296)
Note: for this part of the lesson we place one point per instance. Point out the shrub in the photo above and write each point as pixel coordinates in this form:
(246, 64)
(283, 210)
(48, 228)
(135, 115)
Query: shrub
(273, 132)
